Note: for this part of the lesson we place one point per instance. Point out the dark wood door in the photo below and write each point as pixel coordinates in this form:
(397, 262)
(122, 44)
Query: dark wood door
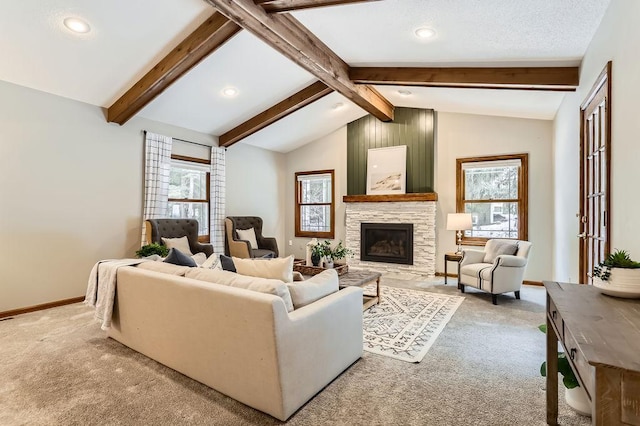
(595, 173)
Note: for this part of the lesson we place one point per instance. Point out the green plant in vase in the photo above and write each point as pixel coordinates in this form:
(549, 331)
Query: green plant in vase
(317, 251)
(617, 259)
(151, 249)
(340, 252)
(568, 377)
(574, 395)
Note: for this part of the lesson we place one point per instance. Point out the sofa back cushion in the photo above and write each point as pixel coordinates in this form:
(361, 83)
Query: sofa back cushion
(263, 285)
(315, 288)
(280, 268)
(166, 268)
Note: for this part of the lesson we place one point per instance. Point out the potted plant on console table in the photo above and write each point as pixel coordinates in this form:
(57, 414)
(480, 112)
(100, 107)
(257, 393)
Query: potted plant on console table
(618, 275)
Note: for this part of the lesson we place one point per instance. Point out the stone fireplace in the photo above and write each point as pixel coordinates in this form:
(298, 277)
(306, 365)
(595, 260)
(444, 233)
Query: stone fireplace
(387, 242)
(417, 210)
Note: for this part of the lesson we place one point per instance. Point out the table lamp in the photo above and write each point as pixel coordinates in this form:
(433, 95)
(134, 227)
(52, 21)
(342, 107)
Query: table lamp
(459, 222)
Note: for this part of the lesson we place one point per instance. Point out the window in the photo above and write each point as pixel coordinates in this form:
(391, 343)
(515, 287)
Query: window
(494, 190)
(315, 204)
(189, 192)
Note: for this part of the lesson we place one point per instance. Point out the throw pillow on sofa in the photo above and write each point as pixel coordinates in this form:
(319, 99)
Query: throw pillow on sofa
(177, 257)
(181, 244)
(227, 263)
(212, 262)
(248, 235)
(232, 279)
(199, 258)
(280, 268)
(315, 288)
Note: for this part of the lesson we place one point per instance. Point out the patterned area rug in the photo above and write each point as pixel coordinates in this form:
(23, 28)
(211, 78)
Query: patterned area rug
(407, 322)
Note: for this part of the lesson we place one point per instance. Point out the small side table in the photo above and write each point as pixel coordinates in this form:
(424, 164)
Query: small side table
(450, 257)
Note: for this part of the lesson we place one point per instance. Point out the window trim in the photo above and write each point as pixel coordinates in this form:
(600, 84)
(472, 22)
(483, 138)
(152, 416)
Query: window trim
(201, 238)
(523, 192)
(298, 205)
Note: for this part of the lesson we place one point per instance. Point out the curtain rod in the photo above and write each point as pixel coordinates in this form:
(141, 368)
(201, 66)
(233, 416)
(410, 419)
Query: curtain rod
(182, 140)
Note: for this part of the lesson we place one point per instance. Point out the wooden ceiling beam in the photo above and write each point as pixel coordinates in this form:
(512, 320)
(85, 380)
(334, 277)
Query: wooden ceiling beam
(532, 78)
(289, 37)
(275, 6)
(213, 33)
(293, 103)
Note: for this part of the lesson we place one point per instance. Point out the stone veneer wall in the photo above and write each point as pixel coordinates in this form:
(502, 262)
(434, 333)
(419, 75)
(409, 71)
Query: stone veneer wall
(423, 216)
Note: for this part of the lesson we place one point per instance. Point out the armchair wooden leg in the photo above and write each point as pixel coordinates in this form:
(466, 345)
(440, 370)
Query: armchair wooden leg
(518, 294)
(461, 287)
(494, 299)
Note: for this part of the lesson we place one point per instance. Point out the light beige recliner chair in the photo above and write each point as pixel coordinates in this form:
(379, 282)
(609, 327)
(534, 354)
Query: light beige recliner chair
(498, 269)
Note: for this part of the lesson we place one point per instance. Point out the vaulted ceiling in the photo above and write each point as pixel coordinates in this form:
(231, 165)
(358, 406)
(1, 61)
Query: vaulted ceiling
(129, 38)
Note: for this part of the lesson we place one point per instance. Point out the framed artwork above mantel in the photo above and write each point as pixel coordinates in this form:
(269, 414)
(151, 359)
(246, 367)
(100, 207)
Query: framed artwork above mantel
(387, 170)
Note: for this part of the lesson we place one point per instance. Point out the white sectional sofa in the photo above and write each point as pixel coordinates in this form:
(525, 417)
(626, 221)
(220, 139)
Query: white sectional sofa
(242, 343)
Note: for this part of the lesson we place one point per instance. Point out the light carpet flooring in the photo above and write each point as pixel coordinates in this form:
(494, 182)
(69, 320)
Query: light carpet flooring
(57, 368)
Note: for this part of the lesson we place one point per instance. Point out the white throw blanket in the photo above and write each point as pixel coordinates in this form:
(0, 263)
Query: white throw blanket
(101, 289)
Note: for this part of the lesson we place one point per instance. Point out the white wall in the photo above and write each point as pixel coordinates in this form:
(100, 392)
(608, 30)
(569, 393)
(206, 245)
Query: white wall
(256, 186)
(617, 39)
(71, 189)
(329, 152)
(466, 135)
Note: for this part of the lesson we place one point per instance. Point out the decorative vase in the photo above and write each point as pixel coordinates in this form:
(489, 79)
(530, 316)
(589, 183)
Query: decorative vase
(578, 400)
(622, 282)
(315, 259)
(328, 263)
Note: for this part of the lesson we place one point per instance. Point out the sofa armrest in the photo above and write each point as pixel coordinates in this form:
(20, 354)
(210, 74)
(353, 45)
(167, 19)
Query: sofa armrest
(510, 261)
(471, 256)
(317, 343)
(268, 243)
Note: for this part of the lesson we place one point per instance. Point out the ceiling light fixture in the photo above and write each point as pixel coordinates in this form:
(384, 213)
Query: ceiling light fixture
(76, 25)
(404, 92)
(425, 33)
(229, 92)
(338, 106)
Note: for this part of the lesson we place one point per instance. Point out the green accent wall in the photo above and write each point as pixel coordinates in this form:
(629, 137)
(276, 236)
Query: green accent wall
(412, 127)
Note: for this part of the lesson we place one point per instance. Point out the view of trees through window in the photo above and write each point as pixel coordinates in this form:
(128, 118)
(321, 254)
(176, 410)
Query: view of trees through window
(189, 193)
(314, 204)
(492, 194)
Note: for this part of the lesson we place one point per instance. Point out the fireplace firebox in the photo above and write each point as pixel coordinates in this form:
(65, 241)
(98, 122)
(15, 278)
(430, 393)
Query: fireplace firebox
(387, 242)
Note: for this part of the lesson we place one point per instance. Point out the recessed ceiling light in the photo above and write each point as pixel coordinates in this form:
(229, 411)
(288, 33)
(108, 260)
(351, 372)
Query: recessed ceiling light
(229, 92)
(425, 33)
(404, 92)
(337, 106)
(77, 25)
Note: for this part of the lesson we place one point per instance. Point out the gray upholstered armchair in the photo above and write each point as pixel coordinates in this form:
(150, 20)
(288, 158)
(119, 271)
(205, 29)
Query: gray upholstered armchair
(498, 269)
(176, 228)
(267, 246)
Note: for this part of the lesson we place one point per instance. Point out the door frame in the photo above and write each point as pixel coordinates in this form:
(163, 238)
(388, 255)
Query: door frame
(603, 79)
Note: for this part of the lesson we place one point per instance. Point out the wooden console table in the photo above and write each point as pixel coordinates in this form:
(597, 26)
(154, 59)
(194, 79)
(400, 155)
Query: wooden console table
(601, 337)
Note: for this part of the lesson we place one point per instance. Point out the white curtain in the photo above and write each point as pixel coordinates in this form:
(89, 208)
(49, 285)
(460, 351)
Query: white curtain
(157, 154)
(217, 187)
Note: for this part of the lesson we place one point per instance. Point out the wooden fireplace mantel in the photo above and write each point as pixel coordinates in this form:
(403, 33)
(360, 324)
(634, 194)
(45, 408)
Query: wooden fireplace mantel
(391, 198)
